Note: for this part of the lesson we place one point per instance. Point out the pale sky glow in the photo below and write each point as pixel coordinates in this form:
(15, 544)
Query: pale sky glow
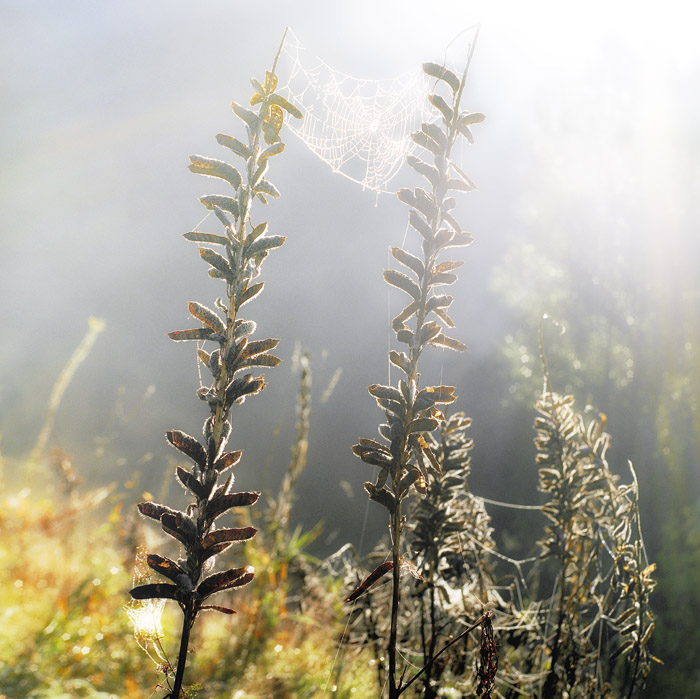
(591, 134)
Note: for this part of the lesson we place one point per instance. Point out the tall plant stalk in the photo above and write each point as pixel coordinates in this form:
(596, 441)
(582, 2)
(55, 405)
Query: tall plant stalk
(412, 413)
(245, 246)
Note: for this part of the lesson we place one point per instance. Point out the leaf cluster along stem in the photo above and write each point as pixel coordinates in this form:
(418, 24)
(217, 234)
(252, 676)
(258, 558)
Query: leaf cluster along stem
(412, 414)
(245, 246)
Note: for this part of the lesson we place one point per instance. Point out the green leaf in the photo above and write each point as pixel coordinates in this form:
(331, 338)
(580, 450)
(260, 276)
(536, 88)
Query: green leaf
(460, 238)
(243, 328)
(262, 360)
(221, 503)
(194, 334)
(212, 201)
(246, 386)
(250, 118)
(425, 203)
(264, 244)
(216, 261)
(405, 335)
(370, 455)
(219, 212)
(436, 133)
(419, 199)
(267, 188)
(442, 73)
(465, 131)
(274, 149)
(442, 238)
(381, 495)
(421, 225)
(164, 566)
(401, 281)
(373, 444)
(372, 578)
(180, 527)
(235, 577)
(215, 168)
(428, 171)
(154, 510)
(434, 394)
(191, 483)
(447, 266)
(398, 322)
(258, 347)
(227, 460)
(250, 293)
(235, 145)
(426, 142)
(287, 106)
(271, 133)
(218, 608)
(410, 261)
(473, 118)
(385, 392)
(396, 408)
(442, 106)
(256, 232)
(428, 331)
(199, 237)
(422, 424)
(400, 359)
(449, 342)
(459, 185)
(215, 550)
(463, 175)
(443, 278)
(257, 175)
(221, 536)
(408, 480)
(439, 301)
(207, 316)
(155, 591)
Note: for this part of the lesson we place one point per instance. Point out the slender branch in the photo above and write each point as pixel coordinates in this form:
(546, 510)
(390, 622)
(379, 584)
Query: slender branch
(469, 629)
(187, 622)
(395, 595)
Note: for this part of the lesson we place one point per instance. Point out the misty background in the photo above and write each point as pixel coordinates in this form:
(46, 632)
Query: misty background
(588, 177)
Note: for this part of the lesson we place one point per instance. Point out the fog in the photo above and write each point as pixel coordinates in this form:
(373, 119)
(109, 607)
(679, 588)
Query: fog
(591, 141)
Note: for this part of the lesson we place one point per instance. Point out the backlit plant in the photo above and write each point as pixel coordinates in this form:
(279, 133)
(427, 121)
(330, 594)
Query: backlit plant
(412, 413)
(234, 257)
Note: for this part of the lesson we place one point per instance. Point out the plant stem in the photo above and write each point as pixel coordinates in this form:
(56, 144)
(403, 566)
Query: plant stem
(187, 622)
(466, 631)
(395, 595)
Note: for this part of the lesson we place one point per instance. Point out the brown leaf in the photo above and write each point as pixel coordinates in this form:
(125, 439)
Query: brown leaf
(370, 580)
(235, 577)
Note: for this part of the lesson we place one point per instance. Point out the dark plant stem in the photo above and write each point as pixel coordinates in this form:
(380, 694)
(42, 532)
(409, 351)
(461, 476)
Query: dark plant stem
(456, 639)
(550, 684)
(395, 597)
(187, 622)
(433, 642)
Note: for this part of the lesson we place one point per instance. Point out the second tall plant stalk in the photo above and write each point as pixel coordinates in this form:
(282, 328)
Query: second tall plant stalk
(411, 412)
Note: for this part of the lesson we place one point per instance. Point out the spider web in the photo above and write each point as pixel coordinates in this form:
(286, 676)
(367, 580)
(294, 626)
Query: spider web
(360, 128)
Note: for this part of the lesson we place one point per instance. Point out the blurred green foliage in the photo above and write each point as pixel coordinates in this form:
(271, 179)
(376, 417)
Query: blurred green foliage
(65, 569)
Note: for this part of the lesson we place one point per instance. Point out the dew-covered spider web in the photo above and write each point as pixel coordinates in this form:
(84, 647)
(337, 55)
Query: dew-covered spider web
(360, 128)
